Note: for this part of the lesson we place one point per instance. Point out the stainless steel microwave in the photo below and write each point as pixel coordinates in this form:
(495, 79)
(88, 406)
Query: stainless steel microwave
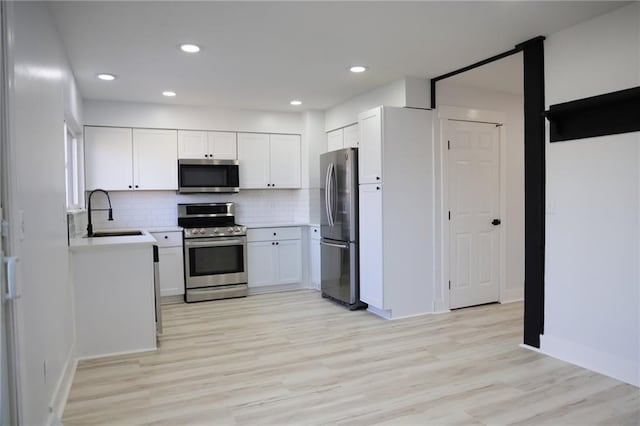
(208, 176)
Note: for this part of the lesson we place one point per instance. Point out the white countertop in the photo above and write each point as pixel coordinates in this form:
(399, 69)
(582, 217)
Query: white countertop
(165, 229)
(83, 243)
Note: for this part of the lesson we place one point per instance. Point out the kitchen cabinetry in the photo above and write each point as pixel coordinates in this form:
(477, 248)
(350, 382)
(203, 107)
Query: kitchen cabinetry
(335, 140)
(120, 159)
(314, 253)
(194, 144)
(171, 262)
(396, 211)
(269, 161)
(370, 152)
(347, 137)
(274, 256)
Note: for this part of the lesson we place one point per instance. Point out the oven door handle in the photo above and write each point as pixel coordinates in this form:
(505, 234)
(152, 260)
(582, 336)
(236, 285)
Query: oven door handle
(215, 243)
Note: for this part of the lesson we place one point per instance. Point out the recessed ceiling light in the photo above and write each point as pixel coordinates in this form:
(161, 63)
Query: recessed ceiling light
(106, 77)
(296, 103)
(358, 68)
(190, 48)
(169, 93)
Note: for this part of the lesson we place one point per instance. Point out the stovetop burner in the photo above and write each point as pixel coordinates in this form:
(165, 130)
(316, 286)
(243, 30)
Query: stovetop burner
(206, 220)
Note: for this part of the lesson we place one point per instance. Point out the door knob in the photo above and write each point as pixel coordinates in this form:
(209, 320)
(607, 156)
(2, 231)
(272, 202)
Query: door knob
(495, 222)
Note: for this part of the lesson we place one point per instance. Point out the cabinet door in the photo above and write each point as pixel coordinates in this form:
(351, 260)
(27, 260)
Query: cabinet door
(289, 261)
(253, 155)
(155, 159)
(222, 145)
(351, 136)
(285, 161)
(371, 278)
(108, 158)
(335, 140)
(370, 152)
(192, 144)
(261, 259)
(171, 271)
(315, 263)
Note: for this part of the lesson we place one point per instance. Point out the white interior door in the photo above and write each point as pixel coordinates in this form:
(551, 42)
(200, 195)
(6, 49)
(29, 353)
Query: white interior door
(473, 199)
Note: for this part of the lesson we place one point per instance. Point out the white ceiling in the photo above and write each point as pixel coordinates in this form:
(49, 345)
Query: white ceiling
(261, 55)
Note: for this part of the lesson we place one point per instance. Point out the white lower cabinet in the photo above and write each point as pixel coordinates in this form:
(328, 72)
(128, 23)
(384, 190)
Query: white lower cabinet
(314, 253)
(274, 256)
(371, 247)
(171, 263)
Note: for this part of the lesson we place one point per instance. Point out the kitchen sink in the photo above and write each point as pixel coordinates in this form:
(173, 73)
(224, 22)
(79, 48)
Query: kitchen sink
(116, 233)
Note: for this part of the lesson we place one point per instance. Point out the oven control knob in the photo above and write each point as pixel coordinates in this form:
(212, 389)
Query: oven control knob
(230, 230)
(236, 229)
(201, 231)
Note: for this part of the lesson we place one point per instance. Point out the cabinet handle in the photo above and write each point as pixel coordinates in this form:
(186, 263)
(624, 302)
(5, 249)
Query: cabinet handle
(377, 188)
(377, 177)
(136, 186)
(130, 187)
(273, 184)
(277, 243)
(166, 237)
(272, 243)
(274, 234)
(268, 184)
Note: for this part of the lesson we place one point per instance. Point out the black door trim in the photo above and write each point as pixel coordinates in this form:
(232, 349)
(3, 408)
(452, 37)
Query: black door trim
(534, 179)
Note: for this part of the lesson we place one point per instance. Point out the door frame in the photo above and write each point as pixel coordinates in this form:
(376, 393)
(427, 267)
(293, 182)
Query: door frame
(534, 179)
(499, 119)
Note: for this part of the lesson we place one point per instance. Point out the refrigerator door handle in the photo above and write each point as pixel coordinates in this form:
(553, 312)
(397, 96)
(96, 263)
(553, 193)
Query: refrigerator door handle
(334, 194)
(329, 194)
(326, 194)
(341, 246)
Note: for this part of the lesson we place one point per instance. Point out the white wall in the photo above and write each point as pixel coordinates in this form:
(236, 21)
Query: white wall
(592, 298)
(451, 93)
(131, 114)
(43, 95)
(408, 91)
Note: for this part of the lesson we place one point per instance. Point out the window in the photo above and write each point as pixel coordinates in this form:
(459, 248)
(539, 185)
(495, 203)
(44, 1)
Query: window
(73, 168)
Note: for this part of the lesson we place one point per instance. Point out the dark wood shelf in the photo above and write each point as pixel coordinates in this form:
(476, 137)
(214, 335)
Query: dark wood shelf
(608, 114)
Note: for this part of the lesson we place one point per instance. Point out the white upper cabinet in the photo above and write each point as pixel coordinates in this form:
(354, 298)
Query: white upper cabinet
(193, 144)
(222, 145)
(122, 159)
(285, 161)
(108, 158)
(269, 161)
(351, 136)
(370, 152)
(253, 155)
(335, 140)
(155, 159)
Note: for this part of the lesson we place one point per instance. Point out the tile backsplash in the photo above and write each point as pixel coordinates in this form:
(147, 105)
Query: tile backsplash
(147, 209)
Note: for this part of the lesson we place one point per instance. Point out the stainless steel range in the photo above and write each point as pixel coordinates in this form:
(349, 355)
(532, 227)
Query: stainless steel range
(215, 252)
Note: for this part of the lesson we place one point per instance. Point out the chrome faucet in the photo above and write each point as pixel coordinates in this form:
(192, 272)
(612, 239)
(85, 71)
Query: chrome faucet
(89, 225)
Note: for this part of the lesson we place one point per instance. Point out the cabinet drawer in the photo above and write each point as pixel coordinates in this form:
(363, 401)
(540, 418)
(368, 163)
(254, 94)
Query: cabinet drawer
(315, 232)
(168, 239)
(271, 234)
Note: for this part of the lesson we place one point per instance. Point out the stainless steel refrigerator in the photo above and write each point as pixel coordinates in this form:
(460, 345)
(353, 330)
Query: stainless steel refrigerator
(339, 227)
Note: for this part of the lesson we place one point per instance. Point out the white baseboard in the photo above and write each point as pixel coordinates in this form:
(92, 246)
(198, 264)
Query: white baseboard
(379, 312)
(510, 295)
(137, 351)
(63, 387)
(604, 363)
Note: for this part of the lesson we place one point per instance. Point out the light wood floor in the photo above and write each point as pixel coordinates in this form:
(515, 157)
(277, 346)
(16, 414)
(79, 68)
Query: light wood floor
(296, 359)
